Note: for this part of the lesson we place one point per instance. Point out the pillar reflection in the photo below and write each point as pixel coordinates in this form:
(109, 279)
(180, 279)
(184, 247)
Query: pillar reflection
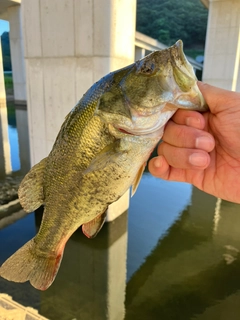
(23, 138)
(91, 281)
(5, 156)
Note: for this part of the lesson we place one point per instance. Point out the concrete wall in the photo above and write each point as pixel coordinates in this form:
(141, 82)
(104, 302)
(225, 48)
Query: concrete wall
(222, 51)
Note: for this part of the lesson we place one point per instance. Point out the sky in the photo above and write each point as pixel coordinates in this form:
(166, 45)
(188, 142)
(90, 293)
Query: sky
(4, 26)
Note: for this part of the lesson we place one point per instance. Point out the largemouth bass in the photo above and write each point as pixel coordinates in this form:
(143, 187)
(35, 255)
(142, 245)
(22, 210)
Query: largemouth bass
(99, 153)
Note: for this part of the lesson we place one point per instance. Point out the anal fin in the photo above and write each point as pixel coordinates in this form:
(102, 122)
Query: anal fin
(30, 191)
(91, 228)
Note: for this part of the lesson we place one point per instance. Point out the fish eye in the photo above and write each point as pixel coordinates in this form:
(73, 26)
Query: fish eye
(146, 67)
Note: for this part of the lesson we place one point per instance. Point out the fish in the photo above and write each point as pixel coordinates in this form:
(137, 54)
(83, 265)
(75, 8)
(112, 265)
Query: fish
(100, 152)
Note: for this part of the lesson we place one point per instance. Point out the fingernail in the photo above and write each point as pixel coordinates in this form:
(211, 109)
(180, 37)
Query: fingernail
(158, 162)
(205, 143)
(193, 122)
(198, 159)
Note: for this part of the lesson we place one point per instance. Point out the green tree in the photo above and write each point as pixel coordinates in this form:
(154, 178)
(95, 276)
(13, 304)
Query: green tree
(7, 66)
(170, 20)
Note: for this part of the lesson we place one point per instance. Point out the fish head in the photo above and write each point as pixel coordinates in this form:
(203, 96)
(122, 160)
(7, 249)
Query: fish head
(140, 98)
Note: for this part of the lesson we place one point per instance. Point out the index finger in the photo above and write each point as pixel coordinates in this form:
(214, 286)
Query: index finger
(218, 99)
(189, 118)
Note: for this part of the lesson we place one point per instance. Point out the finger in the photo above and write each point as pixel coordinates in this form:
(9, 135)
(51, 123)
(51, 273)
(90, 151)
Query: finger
(184, 158)
(216, 98)
(160, 168)
(190, 118)
(187, 137)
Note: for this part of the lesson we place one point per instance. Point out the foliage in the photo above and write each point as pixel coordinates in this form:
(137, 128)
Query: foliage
(8, 81)
(170, 20)
(7, 66)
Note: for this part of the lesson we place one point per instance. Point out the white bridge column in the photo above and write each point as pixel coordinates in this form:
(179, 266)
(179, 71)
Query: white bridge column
(5, 156)
(17, 54)
(68, 46)
(222, 51)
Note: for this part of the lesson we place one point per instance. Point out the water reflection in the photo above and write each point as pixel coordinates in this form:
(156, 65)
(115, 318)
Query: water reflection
(159, 204)
(92, 278)
(14, 144)
(187, 274)
(174, 255)
(23, 141)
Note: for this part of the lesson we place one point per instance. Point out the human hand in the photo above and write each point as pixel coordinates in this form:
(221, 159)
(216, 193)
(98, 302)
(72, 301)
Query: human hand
(204, 149)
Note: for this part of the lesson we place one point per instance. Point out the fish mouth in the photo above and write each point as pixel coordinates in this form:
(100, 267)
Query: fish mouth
(124, 131)
(135, 132)
(146, 125)
(154, 130)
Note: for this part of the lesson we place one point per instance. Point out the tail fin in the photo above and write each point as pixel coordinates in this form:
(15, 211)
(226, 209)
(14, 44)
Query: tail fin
(25, 265)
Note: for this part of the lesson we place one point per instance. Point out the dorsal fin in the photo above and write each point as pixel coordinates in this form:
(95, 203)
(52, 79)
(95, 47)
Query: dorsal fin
(30, 191)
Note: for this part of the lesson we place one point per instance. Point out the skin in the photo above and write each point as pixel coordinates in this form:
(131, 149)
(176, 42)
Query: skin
(204, 149)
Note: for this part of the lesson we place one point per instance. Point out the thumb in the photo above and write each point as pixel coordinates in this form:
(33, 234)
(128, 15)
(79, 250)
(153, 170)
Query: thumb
(218, 99)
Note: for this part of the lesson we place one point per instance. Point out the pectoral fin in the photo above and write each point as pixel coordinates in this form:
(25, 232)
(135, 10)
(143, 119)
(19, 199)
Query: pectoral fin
(30, 191)
(137, 179)
(92, 228)
(104, 158)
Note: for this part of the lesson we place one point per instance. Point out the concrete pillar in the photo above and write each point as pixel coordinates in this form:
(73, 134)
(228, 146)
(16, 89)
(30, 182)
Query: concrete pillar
(17, 54)
(2, 84)
(68, 46)
(5, 156)
(139, 53)
(222, 51)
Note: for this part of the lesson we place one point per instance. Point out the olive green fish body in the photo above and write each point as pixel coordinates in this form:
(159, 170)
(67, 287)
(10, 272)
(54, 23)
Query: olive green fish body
(102, 174)
(100, 151)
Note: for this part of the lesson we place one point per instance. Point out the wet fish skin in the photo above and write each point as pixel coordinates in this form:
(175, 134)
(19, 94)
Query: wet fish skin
(99, 153)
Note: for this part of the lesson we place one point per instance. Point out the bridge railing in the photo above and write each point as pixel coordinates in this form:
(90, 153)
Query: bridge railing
(145, 44)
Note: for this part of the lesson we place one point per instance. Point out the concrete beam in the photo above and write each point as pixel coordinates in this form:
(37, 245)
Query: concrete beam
(5, 4)
(205, 3)
(145, 43)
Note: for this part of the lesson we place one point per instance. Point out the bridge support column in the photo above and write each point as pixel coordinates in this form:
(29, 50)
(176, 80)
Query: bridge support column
(222, 51)
(68, 46)
(17, 54)
(5, 157)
